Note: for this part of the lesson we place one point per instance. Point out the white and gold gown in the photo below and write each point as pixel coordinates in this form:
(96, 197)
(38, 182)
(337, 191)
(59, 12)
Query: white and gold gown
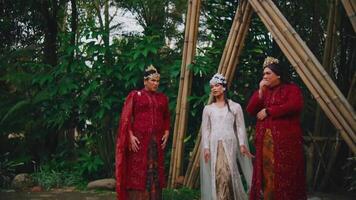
(222, 133)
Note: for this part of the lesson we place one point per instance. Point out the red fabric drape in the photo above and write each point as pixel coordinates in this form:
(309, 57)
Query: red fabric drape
(146, 114)
(284, 103)
(121, 147)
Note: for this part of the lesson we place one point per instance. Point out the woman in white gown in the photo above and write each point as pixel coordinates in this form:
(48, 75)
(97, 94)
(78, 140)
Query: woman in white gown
(224, 141)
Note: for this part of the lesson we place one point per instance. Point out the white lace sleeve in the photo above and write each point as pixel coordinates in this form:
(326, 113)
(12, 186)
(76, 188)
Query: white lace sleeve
(206, 128)
(240, 126)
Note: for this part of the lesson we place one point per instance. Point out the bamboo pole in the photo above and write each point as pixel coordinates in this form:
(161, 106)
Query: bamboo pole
(297, 63)
(179, 97)
(347, 113)
(231, 38)
(181, 120)
(193, 165)
(351, 96)
(328, 56)
(187, 85)
(335, 152)
(238, 46)
(331, 36)
(350, 7)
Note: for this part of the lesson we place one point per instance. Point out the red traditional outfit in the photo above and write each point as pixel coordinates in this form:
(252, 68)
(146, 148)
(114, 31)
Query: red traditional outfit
(278, 172)
(146, 114)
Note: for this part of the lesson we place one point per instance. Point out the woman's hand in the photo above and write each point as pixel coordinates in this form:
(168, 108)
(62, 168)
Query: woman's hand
(262, 88)
(262, 114)
(245, 152)
(164, 139)
(206, 155)
(134, 143)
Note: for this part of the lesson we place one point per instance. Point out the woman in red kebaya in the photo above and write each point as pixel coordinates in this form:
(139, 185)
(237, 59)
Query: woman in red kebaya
(278, 172)
(142, 136)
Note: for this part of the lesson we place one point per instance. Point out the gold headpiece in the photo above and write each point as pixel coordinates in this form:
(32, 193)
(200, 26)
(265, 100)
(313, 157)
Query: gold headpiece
(150, 67)
(269, 61)
(151, 75)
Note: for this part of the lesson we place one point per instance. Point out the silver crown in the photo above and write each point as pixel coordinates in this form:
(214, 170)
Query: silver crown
(218, 79)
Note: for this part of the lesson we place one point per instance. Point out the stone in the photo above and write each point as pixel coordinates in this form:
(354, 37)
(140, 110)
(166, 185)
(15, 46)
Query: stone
(36, 189)
(106, 184)
(22, 181)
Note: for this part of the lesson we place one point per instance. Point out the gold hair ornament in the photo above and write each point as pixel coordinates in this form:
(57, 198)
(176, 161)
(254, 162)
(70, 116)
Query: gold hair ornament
(153, 75)
(269, 61)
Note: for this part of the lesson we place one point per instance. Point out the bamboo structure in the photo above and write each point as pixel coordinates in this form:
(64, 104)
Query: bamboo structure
(227, 67)
(180, 124)
(326, 93)
(310, 70)
(350, 7)
(328, 57)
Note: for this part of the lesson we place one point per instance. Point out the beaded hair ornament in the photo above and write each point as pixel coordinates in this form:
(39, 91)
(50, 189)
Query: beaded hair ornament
(270, 61)
(151, 72)
(218, 79)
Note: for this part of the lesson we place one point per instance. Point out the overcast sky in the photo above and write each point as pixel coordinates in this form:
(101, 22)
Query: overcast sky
(129, 23)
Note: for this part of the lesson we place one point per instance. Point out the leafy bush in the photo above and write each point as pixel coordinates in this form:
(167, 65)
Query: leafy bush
(7, 169)
(49, 177)
(89, 165)
(181, 194)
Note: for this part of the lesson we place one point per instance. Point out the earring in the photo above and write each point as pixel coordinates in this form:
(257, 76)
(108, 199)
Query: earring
(223, 89)
(278, 76)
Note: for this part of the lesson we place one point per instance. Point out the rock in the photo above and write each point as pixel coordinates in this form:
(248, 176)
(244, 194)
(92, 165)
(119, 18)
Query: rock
(108, 184)
(22, 181)
(36, 189)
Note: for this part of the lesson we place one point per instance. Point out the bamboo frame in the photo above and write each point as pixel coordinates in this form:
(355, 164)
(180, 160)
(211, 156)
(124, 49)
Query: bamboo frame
(179, 98)
(324, 90)
(329, 52)
(305, 63)
(350, 7)
(184, 91)
(328, 56)
(316, 69)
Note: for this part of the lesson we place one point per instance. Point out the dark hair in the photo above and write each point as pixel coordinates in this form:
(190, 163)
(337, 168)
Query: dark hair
(225, 97)
(279, 71)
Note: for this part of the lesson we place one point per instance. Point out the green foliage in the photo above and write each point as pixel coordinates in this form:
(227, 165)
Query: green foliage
(49, 176)
(89, 165)
(83, 88)
(7, 169)
(181, 194)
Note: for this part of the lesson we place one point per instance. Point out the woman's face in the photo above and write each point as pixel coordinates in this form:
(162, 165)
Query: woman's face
(151, 84)
(217, 90)
(270, 77)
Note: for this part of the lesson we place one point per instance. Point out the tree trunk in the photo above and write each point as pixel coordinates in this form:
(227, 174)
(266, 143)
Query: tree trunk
(74, 27)
(49, 12)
